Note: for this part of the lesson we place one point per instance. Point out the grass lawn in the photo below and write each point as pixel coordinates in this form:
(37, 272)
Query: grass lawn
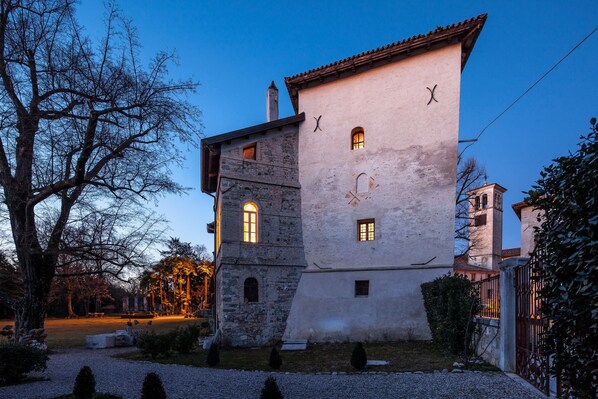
(402, 356)
(70, 333)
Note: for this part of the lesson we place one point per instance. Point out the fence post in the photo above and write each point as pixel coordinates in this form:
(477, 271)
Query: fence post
(507, 358)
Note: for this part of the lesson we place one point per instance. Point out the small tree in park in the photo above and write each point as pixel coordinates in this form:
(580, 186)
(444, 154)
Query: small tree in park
(359, 358)
(152, 387)
(567, 244)
(85, 384)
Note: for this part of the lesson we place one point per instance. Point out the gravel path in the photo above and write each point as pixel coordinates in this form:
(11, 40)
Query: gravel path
(125, 378)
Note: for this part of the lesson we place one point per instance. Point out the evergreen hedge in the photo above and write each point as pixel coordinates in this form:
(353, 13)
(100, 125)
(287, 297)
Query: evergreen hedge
(450, 303)
(567, 245)
(19, 359)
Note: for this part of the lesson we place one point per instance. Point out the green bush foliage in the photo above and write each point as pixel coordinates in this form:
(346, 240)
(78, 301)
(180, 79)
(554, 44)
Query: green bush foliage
(450, 303)
(19, 359)
(85, 384)
(275, 360)
(155, 344)
(185, 338)
(567, 245)
(152, 387)
(271, 390)
(359, 359)
(213, 356)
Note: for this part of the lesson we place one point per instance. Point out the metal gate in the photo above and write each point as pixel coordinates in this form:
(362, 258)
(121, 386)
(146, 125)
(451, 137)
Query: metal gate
(531, 364)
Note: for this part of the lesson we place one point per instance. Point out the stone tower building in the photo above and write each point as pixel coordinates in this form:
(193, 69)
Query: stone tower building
(328, 221)
(485, 230)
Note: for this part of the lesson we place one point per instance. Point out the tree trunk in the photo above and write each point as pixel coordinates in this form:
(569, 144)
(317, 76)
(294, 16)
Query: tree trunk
(188, 295)
(37, 279)
(205, 291)
(69, 300)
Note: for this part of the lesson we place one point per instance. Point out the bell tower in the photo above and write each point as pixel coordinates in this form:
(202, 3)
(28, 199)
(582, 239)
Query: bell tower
(485, 225)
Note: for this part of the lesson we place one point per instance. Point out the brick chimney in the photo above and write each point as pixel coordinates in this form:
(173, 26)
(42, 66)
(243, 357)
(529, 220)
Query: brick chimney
(272, 103)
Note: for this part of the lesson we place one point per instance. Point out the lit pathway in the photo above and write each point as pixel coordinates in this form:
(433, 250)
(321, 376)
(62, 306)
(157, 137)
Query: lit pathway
(125, 377)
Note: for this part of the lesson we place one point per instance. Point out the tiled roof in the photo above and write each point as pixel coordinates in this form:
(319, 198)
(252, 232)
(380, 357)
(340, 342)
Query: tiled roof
(465, 32)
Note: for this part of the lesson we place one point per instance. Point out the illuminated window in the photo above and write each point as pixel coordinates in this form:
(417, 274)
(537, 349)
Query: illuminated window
(250, 222)
(366, 230)
(250, 151)
(250, 290)
(357, 138)
(362, 288)
(484, 201)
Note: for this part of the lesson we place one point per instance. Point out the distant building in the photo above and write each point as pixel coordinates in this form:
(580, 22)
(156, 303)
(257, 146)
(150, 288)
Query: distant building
(530, 220)
(485, 232)
(328, 221)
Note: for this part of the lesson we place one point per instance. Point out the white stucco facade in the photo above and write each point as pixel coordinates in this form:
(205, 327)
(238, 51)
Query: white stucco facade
(410, 158)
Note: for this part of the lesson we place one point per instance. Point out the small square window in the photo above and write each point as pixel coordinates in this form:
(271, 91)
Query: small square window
(366, 230)
(362, 288)
(250, 151)
(480, 220)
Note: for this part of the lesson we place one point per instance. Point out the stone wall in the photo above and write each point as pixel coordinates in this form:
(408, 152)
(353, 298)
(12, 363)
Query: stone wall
(277, 259)
(488, 340)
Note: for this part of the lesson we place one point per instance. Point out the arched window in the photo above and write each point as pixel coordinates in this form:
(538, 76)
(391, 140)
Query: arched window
(250, 290)
(250, 222)
(484, 201)
(357, 138)
(362, 183)
(477, 202)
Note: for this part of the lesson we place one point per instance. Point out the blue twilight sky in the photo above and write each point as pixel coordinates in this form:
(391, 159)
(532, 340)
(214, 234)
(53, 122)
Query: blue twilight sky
(235, 48)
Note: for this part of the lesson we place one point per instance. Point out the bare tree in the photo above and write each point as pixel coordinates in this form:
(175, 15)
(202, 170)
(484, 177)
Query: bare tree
(470, 175)
(83, 126)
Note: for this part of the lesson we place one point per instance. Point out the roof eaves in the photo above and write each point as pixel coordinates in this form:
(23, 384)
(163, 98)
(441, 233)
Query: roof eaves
(465, 32)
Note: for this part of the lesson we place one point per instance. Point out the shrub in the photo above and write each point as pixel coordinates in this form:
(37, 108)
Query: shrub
(213, 355)
(18, 359)
(85, 384)
(450, 303)
(567, 245)
(275, 360)
(155, 344)
(359, 359)
(152, 387)
(271, 390)
(184, 339)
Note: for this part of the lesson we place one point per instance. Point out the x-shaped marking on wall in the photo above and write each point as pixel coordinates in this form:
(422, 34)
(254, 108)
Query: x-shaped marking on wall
(317, 123)
(354, 197)
(432, 90)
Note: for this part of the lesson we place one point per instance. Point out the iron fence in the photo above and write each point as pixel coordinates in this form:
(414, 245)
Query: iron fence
(489, 293)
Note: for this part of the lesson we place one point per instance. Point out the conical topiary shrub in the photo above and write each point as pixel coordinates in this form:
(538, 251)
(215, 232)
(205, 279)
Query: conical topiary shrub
(152, 387)
(275, 360)
(213, 355)
(359, 358)
(85, 384)
(270, 390)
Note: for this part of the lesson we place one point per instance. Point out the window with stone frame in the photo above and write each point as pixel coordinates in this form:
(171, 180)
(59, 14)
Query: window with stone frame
(250, 222)
(250, 151)
(357, 138)
(250, 290)
(484, 201)
(362, 288)
(366, 230)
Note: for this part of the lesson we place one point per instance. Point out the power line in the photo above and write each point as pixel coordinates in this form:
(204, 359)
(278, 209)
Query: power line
(473, 141)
